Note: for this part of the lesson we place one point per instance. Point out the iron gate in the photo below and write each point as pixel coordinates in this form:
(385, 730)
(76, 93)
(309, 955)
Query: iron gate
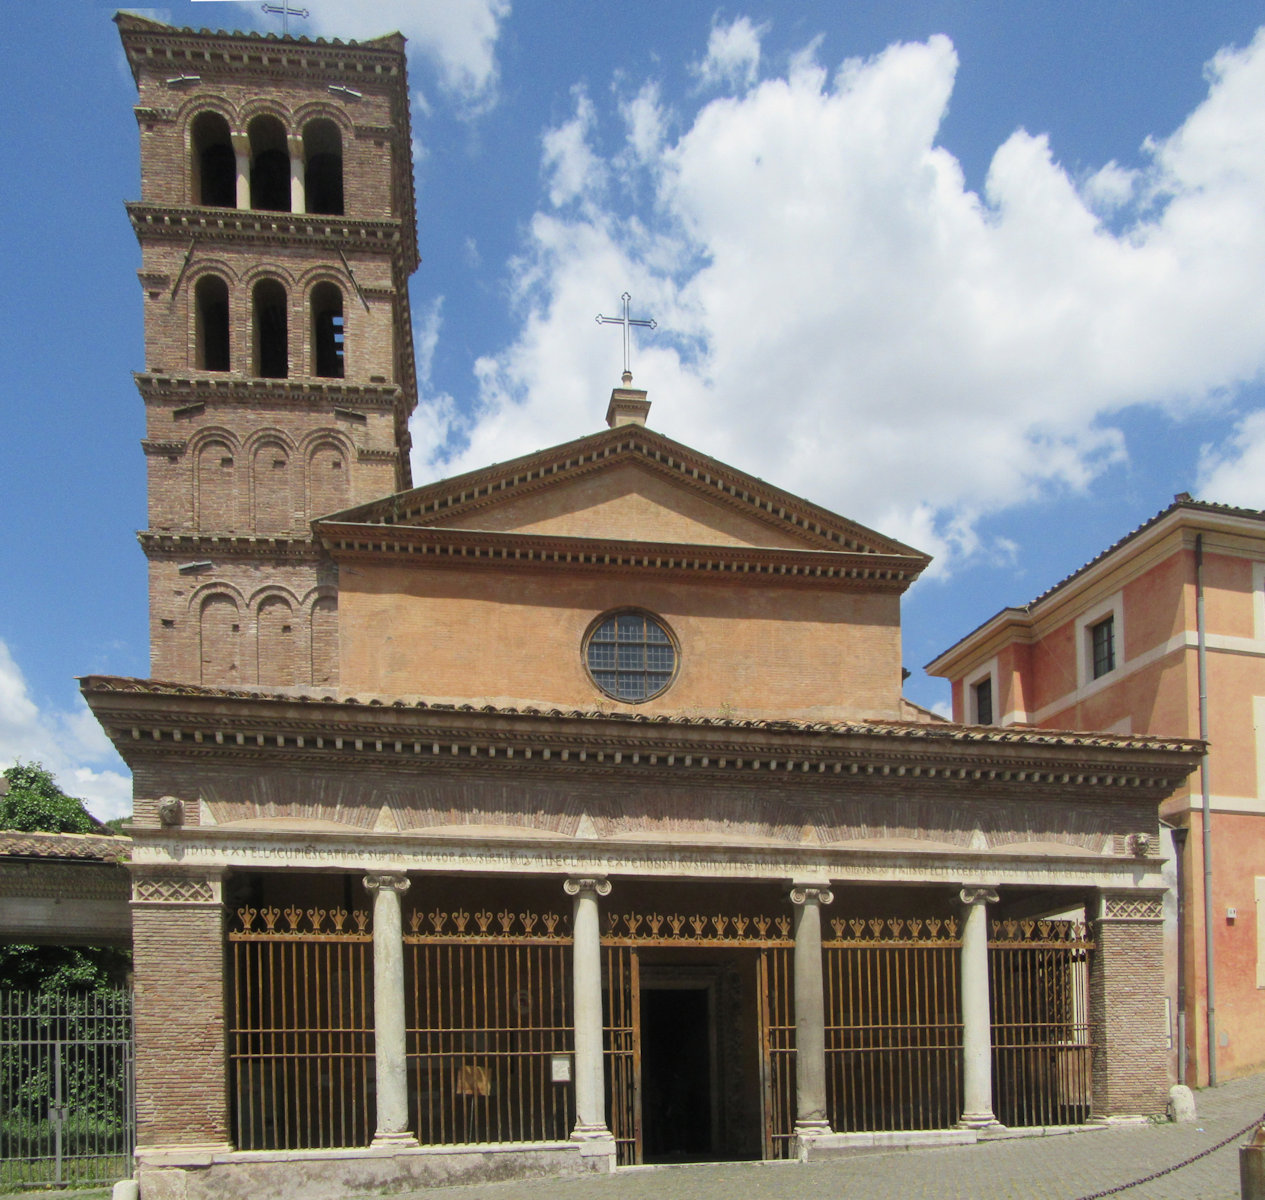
(301, 1028)
(1042, 1053)
(627, 934)
(67, 1103)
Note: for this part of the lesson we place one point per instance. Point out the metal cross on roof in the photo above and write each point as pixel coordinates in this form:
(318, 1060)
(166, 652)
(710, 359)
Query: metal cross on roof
(627, 322)
(285, 12)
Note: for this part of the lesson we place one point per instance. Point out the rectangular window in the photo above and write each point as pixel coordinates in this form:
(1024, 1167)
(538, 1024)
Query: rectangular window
(983, 693)
(1102, 645)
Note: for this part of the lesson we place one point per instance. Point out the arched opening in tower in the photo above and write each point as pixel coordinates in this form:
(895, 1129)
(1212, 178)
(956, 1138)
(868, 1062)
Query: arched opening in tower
(211, 340)
(272, 354)
(327, 330)
(213, 174)
(269, 165)
(323, 176)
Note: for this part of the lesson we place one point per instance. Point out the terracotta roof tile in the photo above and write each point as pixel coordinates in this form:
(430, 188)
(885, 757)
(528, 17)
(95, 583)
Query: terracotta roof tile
(80, 846)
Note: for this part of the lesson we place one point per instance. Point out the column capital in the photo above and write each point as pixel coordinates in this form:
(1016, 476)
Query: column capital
(802, 893)
(978, 894)
(596, 885)
(391, 881)
(241, 143)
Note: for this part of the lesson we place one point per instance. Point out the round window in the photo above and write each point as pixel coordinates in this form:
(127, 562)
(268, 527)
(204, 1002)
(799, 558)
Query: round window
(630, 655)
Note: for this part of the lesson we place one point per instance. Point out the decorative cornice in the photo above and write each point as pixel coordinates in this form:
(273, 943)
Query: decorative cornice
(147, 720)
(261, 228)
(480, 548)
(174, 388)
(167, 449)
(160, 545)
(383, 456)
(153, 116)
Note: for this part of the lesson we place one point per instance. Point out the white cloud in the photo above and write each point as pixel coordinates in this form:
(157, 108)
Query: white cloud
(840, 315)
(1235, 472)
(572, 169)
(733, 55)
(70, 744)
(457, 36)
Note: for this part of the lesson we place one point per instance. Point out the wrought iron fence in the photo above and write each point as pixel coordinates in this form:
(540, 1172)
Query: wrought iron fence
(1042, 1053)
(67, 1101)
(489, 1026)
(893, 1027)
(301, 1028)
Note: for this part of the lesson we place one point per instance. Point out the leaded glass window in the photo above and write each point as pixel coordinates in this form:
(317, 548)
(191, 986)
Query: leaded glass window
(631, 656)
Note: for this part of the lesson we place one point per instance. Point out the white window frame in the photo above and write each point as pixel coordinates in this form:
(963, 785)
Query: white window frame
(1112, 607)
(987, 671)
(1258, 601)
(1260, 931)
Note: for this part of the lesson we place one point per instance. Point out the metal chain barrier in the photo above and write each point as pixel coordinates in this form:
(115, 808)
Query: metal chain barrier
(1124, 1187)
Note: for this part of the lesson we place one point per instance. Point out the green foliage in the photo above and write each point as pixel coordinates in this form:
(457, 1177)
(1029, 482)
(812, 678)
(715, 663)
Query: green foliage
(51, 969)
(34, 803)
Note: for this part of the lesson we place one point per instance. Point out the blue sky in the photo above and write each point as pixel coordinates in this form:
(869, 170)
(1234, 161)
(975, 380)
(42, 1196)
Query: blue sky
(988, 277)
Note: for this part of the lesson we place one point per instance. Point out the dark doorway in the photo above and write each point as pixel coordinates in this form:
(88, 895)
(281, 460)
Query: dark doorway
(676, 1074)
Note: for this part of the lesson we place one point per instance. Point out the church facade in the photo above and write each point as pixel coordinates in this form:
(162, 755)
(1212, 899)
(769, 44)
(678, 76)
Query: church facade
(567, 813)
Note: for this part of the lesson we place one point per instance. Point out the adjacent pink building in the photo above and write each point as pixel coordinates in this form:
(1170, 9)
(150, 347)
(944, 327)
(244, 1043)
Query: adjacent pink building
(1116, 647)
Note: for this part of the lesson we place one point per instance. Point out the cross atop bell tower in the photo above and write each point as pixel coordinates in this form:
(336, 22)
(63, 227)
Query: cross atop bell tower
(277, 233)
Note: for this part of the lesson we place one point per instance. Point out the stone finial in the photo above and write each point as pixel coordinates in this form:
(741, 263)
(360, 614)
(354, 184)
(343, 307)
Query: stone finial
(628, 406)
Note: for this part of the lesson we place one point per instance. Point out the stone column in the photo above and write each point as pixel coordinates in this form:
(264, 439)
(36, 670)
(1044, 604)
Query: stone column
(298, 164)
(977, 1022)
(586, 970)
(811, 1120)
(388, 1009)
(241, 151)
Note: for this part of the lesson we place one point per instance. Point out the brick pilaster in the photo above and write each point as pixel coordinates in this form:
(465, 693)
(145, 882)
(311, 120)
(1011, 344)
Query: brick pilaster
(181, 1059)
(1126, 1005)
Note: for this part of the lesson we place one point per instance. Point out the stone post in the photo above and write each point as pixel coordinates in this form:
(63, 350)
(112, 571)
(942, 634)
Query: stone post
(294, 144)
(977, 1023)
(811, 1120)
(586, 970)
(1126, 1007)
(241, 152)
(388, 1009)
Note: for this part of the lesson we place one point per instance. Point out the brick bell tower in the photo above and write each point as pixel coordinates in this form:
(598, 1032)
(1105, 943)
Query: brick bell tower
(278, 233)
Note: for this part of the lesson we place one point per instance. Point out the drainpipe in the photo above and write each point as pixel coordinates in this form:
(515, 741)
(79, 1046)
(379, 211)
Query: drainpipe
(1209, 954)
(1179, 886)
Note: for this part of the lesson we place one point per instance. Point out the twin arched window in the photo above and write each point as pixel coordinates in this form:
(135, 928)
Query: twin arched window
(270, 328)
(272, 180)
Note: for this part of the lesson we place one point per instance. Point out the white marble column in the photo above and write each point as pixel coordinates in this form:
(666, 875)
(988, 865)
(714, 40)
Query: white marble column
(811, 1120)
(586, 972)
(977, 1024)
(298, 167)
(241, 152)
(388, 1009)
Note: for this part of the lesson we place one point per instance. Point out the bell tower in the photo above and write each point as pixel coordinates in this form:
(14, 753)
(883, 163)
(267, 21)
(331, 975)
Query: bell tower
(278, 233)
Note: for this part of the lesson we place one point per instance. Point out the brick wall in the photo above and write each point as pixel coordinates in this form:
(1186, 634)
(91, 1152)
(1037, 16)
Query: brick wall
(1126, 1004)
(181, 1055)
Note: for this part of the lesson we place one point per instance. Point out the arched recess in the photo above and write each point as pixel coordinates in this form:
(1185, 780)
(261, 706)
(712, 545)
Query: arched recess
(276, 643)
(271, 329)
(212, 164)
(215, 493)
(269, 164)
(323, 648)
(271, 487)
(211, 324)
(220, 640)
(323, 169)
(328, 330)
(328, 478)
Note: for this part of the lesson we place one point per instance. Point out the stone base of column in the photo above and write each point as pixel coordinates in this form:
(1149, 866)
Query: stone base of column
(597, 1146)
(806, 1134)
(979, 1120)
(395, 1141)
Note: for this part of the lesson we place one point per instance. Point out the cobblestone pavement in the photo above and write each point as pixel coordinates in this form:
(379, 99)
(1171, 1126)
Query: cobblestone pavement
(1064, 1167)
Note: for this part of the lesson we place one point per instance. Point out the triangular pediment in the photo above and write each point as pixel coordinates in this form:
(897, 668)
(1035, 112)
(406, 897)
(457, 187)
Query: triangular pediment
(628, 483)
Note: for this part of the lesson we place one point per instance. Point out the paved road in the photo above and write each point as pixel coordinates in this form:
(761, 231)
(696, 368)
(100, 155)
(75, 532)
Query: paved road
(1053, 1168)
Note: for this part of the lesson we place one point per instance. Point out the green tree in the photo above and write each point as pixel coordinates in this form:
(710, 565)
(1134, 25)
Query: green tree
(34, 803)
